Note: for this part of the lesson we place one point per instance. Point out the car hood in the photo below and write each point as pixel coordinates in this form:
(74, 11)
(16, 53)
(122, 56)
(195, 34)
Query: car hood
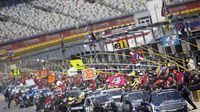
(171, 105)
(136, 103)
(106, 104)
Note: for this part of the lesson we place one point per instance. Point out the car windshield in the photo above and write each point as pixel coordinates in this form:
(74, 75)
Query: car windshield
(73, 94)
(114, 92)
(93, 93)
(32, 86)
(19, 87)
(102, 99)
(57, 91)
(158, 98)
(136, 96)
(45, 90)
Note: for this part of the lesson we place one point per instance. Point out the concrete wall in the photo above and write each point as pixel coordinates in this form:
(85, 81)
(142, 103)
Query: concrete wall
(155, 8)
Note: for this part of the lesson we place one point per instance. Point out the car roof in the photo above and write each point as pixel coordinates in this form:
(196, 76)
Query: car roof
(111, 89)
(164, 90)
(73, 91)
(93, 92)
(134, 91)
(140, 91)
(98, 95)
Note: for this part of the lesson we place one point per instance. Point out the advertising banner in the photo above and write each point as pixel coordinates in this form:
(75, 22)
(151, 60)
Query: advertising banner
(170, 40)
(177, 2)
(121, 44)
(42, 40)
(184, 8)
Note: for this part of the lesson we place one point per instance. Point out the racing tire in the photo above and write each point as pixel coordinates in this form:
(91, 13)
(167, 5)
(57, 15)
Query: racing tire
(186, 109)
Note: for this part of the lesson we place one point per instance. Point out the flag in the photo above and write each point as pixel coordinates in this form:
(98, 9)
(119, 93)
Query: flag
(165, 10)
(77, 64)
(51, 78)
(136, 56)
(117, 80)
(93, 85)
(16, 72)
(43, 73)
(179, 77)
(145, 79)
(158, 82)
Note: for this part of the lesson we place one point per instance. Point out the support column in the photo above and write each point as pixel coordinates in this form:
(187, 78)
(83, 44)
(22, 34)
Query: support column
(104, 44)
(135, 40)
(113, 46)
(143, 37)
(153, 34)
(5, 68)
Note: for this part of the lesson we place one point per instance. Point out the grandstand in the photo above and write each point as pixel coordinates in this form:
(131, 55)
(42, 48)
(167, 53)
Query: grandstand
(23, 18)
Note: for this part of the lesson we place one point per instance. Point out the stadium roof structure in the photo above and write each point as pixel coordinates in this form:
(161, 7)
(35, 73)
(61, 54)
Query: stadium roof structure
(23, 18)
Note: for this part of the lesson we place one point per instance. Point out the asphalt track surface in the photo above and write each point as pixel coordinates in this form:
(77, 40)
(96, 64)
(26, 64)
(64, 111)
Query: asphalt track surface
(13, 108)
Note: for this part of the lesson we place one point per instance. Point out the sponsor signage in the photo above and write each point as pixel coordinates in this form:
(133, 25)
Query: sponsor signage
(170, 40)
(52, 38)
(177, 2)
(121, 44)
(184, 8)
(89, 74)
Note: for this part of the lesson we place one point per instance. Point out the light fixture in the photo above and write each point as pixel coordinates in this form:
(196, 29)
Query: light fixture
(42, 60)
(38, 60)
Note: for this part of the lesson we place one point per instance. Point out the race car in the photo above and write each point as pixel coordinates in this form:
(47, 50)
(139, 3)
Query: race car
(75, 99)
